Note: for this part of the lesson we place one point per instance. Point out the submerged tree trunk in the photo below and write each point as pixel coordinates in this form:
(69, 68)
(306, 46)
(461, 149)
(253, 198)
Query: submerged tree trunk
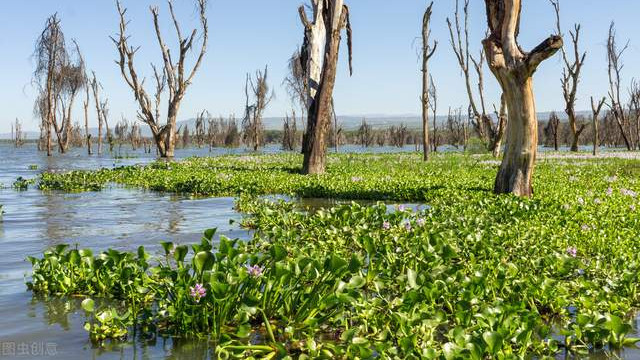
(514, 71)
(321, 46)
(502, 126)
(427, 53)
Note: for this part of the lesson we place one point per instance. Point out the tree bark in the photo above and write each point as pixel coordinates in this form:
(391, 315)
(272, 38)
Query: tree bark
(332, 19)
(514, 70)
(427, 53)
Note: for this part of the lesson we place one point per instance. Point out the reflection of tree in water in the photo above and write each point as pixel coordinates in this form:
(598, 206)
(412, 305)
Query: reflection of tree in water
(175, 214)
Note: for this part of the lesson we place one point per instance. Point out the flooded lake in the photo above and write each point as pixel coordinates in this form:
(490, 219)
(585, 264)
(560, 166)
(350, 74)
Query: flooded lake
(114, 218)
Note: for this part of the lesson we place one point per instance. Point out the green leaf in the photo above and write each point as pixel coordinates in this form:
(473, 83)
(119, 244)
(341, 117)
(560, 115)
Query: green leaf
(180, 253)
(88, 305)
(203, 261)
(411, 279)
(493, 340)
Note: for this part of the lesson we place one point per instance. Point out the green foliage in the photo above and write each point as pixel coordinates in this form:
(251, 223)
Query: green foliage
(471, 275)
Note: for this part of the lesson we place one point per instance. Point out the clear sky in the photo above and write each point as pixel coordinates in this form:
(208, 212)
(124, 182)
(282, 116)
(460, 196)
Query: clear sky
(249, 34)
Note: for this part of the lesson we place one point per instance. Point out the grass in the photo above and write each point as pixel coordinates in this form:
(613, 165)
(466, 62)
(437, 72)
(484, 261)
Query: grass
(473, 275)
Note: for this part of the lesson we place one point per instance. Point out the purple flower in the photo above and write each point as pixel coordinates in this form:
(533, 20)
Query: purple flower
(632, 207)
(580, 201)
(420, 222)
(609, 191)
(255, 270)
(572, 251)
(627, 192)
(597, 201)
(198, 292)
(407, 226)
(401, 207)
(386, 225)
(585, 227)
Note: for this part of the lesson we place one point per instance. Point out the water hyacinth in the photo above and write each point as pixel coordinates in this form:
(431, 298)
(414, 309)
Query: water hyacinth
(386, 225)
(609, 191)
(585, 227)
(580, 201)
(627, 192)
(572, 251)
(420, 222)
(198, 292)
(255, 270)
(407, 226)
(356, 179)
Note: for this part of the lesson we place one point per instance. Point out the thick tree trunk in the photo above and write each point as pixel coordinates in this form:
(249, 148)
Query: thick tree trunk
(522, 139)
(335, 18)
(514, 70)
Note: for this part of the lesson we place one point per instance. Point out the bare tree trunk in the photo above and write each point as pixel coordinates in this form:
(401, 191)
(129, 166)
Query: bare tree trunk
(595, 111)
(502, 125)
(173, 77)
(514, 71)
(332, 19)
(86, 120)
(427, 53)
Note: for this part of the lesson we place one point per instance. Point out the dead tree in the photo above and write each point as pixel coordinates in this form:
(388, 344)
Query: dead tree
(514, 69)
(174, 76)
(200, 128)
(101, 107)
(295, 82)
(427, 53)
(551, 130)
(482, 123)
(17, 135)
(289, 132)
(85, 106)
(258, 98)
(595, 113)
(634, 112)
(571, 76)
(73, 80)
(614, 57)
(319, 58)
(51, 57)
(502, 117)
(433, 104)
(365, 134)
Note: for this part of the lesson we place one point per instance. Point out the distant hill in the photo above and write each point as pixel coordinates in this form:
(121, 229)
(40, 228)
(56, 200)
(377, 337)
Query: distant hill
(348, 122)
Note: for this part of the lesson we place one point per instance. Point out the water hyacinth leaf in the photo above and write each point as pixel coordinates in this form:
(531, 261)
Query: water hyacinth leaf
(88, 305)
(356, 282)
(493, 340)
(203, 261)
(209, 233)
(411, 279)
(278, 252)
(167, 246)
(180, 253)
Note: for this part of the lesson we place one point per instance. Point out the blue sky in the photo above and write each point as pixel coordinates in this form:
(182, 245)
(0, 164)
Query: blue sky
(248, 34)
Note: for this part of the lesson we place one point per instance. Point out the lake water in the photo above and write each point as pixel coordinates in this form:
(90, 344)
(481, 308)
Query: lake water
(114, 218)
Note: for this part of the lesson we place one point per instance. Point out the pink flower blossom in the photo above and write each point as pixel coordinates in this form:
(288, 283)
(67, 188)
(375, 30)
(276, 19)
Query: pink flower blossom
(198, 292)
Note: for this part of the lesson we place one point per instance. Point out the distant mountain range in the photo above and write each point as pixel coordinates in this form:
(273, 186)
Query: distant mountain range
(348, 122)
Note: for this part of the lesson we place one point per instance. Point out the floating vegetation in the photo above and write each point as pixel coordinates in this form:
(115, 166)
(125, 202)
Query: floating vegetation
(473, 275)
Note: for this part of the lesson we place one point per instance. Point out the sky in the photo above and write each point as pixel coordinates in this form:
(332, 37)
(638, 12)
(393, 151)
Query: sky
(246, 35)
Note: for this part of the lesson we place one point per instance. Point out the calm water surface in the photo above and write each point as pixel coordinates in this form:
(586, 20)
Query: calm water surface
(124, 219)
